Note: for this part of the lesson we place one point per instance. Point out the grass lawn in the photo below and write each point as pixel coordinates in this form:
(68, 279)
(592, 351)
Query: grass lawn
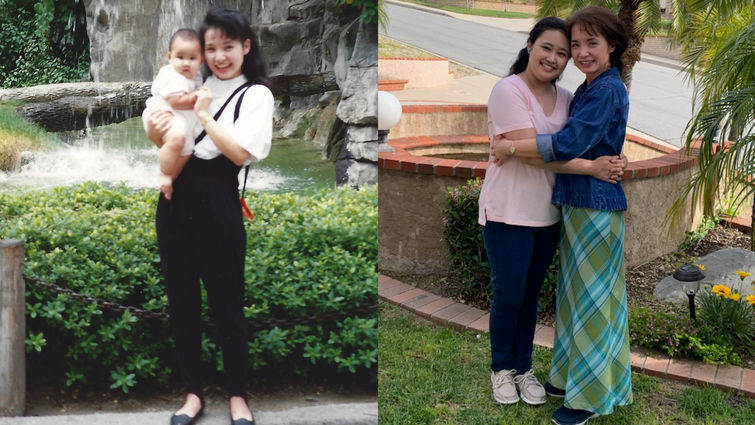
(389, 48)
(18, 135)
(480, 12)
(430, 374)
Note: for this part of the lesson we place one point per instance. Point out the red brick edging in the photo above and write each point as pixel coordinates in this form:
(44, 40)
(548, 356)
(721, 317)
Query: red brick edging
(462, 317)
(392, 85)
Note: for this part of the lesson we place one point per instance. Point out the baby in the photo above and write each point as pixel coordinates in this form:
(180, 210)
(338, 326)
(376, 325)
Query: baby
(174, 90)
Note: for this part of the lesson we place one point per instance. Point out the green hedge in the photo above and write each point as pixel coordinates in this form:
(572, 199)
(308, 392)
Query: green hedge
(306, 254)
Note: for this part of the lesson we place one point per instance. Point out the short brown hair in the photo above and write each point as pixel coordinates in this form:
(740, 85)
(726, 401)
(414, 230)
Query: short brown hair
(597, 20)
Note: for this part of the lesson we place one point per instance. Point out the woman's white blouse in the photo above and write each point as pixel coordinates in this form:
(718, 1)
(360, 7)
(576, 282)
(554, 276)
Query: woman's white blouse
(253, 129)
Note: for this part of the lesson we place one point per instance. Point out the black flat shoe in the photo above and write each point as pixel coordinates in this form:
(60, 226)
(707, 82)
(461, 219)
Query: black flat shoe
(242, 421)
(186, 419)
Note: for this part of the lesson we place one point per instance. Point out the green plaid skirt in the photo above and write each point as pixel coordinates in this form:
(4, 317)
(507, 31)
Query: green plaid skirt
(591, 347)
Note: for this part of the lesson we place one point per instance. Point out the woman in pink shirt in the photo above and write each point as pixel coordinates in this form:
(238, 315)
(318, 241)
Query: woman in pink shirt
(521, 226)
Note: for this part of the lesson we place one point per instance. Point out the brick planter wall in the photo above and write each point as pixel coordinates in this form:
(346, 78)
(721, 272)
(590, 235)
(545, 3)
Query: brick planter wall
(412, 198)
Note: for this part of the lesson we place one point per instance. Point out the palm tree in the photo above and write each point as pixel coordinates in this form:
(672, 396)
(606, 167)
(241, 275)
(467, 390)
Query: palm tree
(638, 16)
(719, 56)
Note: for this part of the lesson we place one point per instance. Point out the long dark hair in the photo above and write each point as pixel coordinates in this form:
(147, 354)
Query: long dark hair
(597, 20)
(236, 27)
(543, 25)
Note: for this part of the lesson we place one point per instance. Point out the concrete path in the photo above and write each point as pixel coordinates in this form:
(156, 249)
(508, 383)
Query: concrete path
(333, 414)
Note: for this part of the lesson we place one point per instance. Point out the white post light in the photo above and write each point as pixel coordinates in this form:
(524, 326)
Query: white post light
(389, 114)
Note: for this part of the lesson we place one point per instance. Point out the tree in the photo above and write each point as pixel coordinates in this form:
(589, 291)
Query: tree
(638, 16)
(719, 56)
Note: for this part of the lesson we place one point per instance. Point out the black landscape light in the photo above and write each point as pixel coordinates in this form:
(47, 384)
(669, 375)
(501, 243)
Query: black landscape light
(689, 273)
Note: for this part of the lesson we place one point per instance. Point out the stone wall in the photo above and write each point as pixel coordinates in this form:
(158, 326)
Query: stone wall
(648, 199)
(410, 229)
(438, 120)
(129, 42)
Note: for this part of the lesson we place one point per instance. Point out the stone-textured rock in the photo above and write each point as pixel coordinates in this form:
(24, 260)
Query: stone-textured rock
(356, 72)
(362, 133)
(50, 92)
(720, 268)
(79, 112)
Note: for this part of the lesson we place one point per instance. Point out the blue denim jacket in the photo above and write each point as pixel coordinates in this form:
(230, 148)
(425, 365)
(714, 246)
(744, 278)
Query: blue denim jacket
(596, 127)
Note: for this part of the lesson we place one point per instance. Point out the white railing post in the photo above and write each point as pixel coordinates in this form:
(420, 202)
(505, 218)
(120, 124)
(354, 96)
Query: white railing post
(12, 328)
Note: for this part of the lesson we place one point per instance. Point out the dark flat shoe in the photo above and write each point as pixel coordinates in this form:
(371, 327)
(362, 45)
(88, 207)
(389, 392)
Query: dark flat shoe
(186, 419)
(242, 421)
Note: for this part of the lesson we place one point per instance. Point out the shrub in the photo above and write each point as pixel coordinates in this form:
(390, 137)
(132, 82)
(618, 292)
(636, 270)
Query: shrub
(306, 255)
(44, 41)
(463, 237)
(679, 337)
(729, 315)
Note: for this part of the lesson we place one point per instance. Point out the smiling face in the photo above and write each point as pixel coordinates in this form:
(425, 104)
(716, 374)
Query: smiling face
(185, 56)
(224, 55)
(548, 56)
(591, 52)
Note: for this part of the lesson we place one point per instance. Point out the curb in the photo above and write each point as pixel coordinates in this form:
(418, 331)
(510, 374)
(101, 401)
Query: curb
(331, 414)
(459, 316)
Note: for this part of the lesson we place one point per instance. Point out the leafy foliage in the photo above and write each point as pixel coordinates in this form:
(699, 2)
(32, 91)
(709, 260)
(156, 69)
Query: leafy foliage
(719, 41)
(680, 337)
(463, 237)
(44, 41)
(307, 254)
(371, 9)
(729, 315)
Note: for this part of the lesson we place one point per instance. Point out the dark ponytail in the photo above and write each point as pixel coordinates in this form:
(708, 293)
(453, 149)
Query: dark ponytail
(236, 27)
(545, 24)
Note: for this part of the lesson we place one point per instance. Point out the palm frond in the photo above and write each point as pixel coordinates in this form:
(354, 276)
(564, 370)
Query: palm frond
(648, 16)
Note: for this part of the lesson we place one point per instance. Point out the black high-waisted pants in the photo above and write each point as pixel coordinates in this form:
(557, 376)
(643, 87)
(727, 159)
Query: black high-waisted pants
(200, 235)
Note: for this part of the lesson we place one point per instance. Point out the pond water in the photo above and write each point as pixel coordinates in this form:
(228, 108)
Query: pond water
(121, 153)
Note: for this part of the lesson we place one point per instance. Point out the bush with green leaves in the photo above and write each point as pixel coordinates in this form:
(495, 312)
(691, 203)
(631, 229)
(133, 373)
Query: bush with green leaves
(463, 237)
(676, 335)
(307, 255)
(43, 42)
(469, 262)
(729, 315)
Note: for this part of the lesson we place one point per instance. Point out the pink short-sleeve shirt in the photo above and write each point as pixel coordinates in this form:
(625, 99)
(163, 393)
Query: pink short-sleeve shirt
(516, 193)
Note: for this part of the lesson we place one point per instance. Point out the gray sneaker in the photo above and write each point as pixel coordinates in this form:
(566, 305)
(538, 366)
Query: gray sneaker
(530, 389)
(504, 389)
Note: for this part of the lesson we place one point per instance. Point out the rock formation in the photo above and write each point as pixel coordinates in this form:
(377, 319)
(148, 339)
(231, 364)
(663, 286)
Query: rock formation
(298, 38)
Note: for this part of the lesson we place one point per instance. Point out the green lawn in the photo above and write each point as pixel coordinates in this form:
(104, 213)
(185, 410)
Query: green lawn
(480, 12)
(430, 374)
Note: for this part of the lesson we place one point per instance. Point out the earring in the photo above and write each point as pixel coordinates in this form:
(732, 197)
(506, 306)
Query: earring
(528, 50)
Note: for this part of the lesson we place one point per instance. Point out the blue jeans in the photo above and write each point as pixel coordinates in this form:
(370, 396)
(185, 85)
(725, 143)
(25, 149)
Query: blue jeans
(519, 257)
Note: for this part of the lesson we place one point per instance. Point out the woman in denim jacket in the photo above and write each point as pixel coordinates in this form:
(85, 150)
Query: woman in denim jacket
(590, 364)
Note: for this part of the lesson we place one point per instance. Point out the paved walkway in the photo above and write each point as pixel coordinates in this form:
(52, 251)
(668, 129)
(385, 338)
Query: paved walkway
(332, 414)
(447, 312)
